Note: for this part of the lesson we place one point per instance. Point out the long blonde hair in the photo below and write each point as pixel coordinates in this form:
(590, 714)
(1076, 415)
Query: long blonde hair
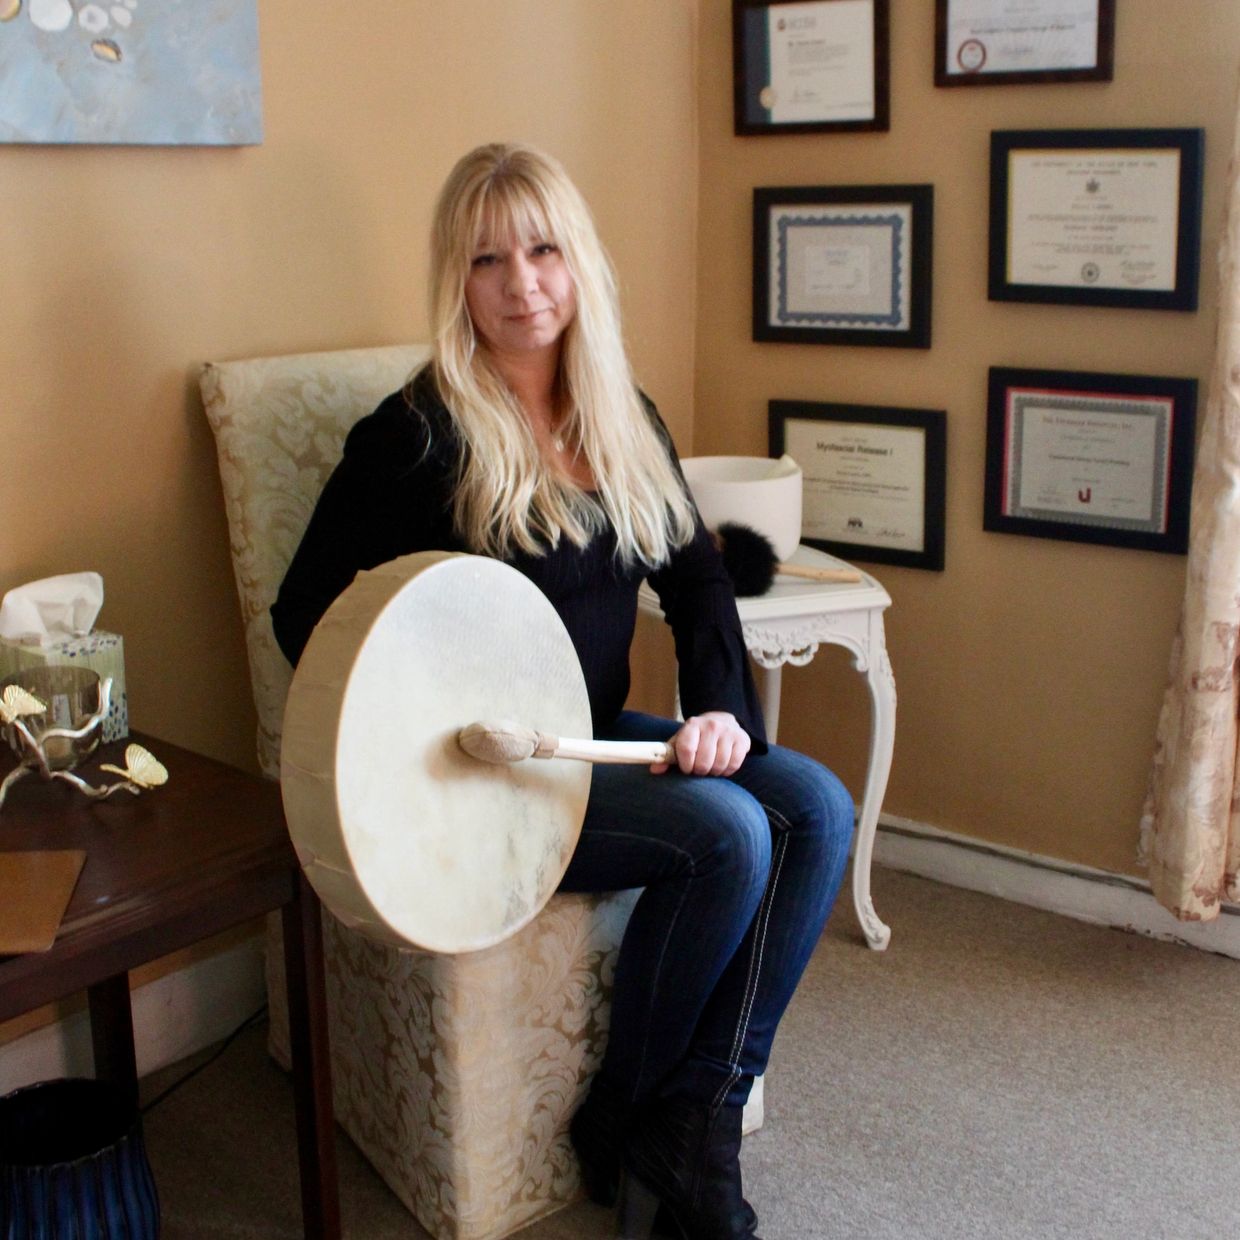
(505, 498)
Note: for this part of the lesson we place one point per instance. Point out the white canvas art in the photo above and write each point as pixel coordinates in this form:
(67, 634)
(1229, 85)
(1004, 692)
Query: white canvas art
(139, 72)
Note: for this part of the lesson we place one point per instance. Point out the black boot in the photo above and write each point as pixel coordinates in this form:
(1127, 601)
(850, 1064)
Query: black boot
(683, 1163)
(598, 1132)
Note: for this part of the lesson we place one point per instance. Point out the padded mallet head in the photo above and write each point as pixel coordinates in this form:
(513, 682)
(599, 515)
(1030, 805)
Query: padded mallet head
(749, 558)
(498, 740)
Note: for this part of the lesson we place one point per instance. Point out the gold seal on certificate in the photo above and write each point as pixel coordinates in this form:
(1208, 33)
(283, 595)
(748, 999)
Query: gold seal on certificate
(873, 479)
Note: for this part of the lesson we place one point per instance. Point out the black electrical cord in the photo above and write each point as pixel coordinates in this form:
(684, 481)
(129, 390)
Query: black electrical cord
(249, 1022)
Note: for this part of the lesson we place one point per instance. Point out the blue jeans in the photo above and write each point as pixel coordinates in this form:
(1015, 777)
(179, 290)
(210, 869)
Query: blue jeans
(740, 874)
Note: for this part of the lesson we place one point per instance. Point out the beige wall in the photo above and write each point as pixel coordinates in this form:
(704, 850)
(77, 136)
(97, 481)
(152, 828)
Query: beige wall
(125, 269)
(1030, 671)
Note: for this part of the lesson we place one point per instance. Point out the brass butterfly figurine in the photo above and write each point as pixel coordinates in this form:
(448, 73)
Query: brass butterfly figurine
(141, 767)
(16, 702)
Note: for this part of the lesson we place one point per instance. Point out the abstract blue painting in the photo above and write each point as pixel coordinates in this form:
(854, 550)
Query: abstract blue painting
(138, 72)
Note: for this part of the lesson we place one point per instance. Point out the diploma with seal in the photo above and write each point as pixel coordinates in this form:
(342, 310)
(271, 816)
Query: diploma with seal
(993, 42)
(1093, 218)
(810, 65)
(1096, 217)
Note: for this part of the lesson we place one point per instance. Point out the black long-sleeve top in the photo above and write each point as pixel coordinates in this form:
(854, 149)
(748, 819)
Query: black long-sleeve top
(391, 494)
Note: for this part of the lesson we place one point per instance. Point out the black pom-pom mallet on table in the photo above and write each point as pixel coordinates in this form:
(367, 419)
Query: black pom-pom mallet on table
(751, 562)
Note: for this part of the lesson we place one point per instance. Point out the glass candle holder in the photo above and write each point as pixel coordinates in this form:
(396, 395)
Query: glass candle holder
(71, 695)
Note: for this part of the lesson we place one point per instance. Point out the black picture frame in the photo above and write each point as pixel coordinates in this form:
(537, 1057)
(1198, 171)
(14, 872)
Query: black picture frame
(881, 265)
(971, 56)
(1089, 258)
(848, 453)
(752, 87)
(1053, 436)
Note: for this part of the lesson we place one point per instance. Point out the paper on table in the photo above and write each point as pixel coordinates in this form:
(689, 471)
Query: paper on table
(34, 892)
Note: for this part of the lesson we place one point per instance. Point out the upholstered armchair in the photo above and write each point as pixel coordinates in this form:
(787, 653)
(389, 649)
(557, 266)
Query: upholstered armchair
(455, 1075)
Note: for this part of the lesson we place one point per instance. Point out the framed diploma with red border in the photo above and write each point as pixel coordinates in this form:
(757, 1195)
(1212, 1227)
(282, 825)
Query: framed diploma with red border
(1094, 458)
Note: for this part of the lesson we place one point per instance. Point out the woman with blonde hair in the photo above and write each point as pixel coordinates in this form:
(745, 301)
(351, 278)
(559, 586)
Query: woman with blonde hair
(527, 439)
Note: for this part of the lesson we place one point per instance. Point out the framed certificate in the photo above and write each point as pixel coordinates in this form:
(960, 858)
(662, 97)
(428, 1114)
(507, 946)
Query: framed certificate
(1093, 458)
(874, 478)
(809, 66)
(1096, 217)
(1009, 42)
(843, 265)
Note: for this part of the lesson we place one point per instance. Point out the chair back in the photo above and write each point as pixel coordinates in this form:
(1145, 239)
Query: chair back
(279, 425)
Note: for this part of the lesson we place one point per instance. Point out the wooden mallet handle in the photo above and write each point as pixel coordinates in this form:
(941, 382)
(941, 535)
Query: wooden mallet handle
(500, 740)
(818, 574)
(625, 752)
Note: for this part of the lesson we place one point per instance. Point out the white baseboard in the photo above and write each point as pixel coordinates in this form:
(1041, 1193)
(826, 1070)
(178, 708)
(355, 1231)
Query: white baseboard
(173, 1017)
(1097, 896)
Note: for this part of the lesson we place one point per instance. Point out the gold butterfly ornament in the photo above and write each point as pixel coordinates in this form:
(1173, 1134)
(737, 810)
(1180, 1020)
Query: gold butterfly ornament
(141, 767)
(16, 702)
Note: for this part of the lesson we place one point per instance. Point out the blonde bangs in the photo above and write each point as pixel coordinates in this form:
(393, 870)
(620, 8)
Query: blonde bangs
(510, 211)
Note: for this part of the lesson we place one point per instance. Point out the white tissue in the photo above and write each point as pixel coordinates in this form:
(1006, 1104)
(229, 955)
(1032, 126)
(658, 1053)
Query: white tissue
(51, 610)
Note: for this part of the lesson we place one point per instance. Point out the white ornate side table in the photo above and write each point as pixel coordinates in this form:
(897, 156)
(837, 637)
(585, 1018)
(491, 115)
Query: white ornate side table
(787, 625)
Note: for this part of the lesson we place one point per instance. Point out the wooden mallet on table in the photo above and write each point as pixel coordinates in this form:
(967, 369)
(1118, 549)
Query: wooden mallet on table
(751, 562)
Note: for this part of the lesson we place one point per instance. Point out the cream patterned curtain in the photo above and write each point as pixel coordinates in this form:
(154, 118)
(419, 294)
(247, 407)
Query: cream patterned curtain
(1190, 830)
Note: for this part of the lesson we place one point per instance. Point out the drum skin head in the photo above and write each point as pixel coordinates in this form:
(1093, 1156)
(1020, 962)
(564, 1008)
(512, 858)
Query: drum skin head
(403, 835)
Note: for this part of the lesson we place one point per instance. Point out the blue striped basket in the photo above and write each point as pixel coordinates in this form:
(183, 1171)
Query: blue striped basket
(73, 1165)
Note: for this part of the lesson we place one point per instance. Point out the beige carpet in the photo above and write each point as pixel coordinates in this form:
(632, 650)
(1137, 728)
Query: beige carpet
(998, 1072)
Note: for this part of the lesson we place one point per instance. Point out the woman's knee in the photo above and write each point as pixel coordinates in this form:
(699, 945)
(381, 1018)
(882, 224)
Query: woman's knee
(809, 799)
(837, 809)
(732, 832)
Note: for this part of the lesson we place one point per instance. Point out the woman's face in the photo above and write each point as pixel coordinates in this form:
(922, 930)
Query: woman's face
(520, 294)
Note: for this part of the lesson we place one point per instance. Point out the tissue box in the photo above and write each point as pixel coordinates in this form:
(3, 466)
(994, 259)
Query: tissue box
(102, 652)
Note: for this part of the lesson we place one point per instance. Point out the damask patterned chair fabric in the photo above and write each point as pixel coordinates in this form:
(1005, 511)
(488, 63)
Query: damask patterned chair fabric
(455, 1075)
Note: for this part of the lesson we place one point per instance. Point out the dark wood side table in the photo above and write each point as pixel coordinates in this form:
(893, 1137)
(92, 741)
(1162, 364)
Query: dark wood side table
(164, 870)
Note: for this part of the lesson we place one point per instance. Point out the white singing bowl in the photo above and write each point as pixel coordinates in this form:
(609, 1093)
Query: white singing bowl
(750, 490)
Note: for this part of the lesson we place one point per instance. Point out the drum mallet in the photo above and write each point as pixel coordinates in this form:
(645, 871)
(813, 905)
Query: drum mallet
(501, 740)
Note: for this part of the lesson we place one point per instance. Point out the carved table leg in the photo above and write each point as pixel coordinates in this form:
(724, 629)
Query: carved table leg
(882, 742)
(769, 686)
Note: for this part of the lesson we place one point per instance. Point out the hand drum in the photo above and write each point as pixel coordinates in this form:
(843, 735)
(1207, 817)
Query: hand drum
(402, 834)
